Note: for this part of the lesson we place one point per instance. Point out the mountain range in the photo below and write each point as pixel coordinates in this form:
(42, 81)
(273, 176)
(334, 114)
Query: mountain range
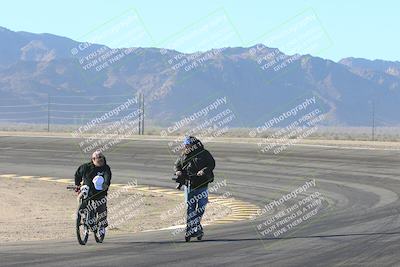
(45, 73)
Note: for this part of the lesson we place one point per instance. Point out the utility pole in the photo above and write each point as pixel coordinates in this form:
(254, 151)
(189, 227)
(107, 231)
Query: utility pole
(142, 114)
(373, 120)
(48, 113)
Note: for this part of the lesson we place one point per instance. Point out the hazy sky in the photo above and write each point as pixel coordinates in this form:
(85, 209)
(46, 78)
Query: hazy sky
(368, 29)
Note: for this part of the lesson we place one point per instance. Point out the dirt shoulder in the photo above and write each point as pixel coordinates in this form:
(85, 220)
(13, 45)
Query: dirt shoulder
(38, 210)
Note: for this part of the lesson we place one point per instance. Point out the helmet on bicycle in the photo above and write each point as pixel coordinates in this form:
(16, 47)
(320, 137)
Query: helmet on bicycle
(84, 191)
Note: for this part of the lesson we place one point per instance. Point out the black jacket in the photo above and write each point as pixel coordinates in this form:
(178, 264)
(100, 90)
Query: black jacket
(196, 160)
(87, 172)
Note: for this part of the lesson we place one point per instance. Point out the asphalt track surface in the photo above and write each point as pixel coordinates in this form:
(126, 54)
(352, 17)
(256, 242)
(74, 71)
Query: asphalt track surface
(357, 225)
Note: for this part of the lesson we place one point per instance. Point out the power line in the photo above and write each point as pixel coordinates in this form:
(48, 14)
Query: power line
(75, 104)
(90, 96)
(19, 106)
(22, 112)
(24, 119)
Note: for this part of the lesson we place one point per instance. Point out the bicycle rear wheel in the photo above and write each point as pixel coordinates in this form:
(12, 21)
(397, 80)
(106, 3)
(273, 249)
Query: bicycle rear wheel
(82, 228)
(99, 234)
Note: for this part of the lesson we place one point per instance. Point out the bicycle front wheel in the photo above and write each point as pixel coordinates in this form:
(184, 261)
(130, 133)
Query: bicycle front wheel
(82, 228)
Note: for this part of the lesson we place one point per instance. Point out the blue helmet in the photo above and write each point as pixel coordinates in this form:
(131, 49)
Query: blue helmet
(189, 140)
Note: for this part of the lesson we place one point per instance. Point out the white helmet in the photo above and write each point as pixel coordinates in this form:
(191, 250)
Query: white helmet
(98, 181)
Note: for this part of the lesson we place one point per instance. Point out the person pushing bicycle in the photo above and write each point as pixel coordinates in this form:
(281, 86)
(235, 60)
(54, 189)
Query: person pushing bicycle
(97, 175)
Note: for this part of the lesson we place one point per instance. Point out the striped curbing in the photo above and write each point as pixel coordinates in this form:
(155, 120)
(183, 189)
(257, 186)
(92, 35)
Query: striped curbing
(239, 210)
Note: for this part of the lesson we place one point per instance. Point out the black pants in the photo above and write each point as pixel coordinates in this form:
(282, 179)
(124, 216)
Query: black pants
(98, 205)
(102, 211)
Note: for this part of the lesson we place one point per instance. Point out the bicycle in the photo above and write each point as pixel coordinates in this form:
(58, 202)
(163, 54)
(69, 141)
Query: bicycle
(87, 218)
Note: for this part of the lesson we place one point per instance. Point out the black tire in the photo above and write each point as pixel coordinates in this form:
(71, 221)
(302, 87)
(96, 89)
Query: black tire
(200, 237)
(82, 229)
(99, 237)
(187, 238)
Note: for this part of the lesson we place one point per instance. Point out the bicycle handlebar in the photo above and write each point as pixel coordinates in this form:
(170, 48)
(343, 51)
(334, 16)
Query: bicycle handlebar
(183, 179)
(72, 187)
